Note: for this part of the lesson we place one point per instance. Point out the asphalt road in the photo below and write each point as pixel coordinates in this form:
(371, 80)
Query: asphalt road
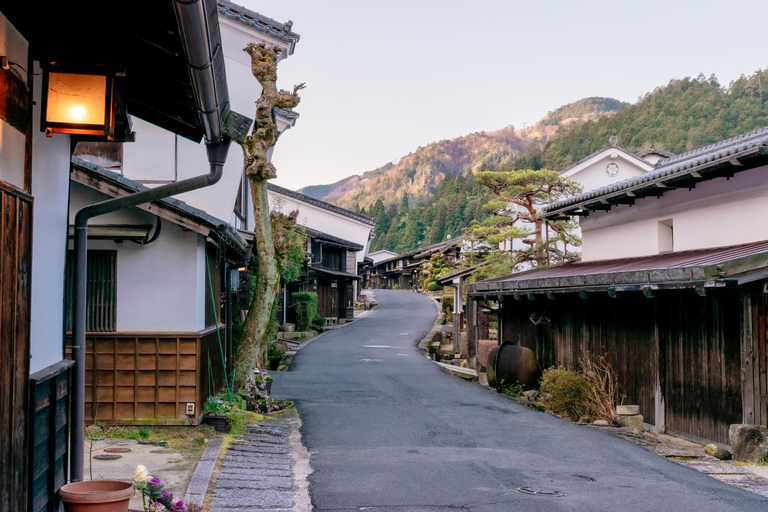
(389, 430)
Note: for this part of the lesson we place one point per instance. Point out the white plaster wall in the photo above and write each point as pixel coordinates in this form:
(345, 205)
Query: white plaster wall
(160, 155)
(716, 213)
(158, 285)
(50, 187)
(381, 256)
(12, 141)
(326, 221)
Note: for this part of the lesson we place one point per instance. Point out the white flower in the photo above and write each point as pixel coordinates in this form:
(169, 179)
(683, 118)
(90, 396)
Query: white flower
(141, 474)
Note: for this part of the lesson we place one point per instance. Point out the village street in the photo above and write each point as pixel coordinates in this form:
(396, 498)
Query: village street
(388, 429)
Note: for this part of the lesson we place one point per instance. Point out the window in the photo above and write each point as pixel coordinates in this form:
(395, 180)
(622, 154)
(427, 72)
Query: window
(666, 236)
(101, 291)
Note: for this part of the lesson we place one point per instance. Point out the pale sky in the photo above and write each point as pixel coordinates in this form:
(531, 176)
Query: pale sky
(385, 77)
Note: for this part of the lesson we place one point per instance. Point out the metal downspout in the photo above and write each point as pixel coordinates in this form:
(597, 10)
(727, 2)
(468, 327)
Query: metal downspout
(193, 27)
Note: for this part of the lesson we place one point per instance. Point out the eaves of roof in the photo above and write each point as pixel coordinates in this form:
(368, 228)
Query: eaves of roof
(446, 279)
(97, 174)
(259, 22)
(321, 204)
(721, 159)
(699, 269)
(334, 240)
(423, 251)
(335, 273)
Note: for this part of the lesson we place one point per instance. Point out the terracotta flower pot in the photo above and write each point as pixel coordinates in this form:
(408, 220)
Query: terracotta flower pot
(96, 496)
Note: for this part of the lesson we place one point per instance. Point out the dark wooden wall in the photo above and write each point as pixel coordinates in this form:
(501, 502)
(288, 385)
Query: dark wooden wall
(572, 328)
(49, 432)
(15, 268)
(754, 352)
(692, 343)
(148, 378)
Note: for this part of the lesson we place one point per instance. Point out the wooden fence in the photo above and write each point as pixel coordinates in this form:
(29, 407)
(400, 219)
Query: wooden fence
(15, 269)
(149, 378)
(49, 435)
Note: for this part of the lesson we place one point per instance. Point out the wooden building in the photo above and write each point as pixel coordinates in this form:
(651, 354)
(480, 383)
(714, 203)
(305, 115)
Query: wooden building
(403, 270)
(672, 290)
(331, 273)
(143, 73)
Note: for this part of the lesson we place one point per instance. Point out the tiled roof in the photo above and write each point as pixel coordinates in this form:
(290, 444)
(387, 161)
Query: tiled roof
(653, 151)
(322, 204)
(704, 267)
(460, 273)
(289, 114)
(426, 250)
(259, 22)
(683, 166)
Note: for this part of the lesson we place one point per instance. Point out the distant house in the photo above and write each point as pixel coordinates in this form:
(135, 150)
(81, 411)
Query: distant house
(381, 255)
(331, 273)
(354, 230)
(146, 64)
(402, 271)
(671, 288)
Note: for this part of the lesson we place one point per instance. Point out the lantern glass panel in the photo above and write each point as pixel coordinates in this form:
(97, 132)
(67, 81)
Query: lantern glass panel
(77, 99)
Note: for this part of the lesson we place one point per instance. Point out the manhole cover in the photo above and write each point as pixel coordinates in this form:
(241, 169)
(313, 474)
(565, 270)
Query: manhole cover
(107, 457)
(540, 492)
(161, 451)
(117, 450)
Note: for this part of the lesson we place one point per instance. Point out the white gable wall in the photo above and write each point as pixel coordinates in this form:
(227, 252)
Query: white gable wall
(591, 174)
(326, 221)
(716, 213)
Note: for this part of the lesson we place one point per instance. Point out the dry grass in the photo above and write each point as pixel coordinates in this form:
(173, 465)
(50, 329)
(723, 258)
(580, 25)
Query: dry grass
(603, 389)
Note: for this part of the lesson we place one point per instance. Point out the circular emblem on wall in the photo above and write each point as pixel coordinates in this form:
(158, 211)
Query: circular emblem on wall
(612, 170)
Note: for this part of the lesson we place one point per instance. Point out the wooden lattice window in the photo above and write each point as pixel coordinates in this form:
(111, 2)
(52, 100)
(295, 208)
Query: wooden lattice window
(101, 294)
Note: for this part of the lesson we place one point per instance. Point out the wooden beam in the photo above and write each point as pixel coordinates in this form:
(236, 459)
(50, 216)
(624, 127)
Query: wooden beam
(598, 206)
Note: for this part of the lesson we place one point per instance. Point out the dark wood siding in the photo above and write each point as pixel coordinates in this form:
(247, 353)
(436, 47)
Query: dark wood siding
(49, 450)
(15, 268)
(754, 354)
(692, 342)
(621, 329)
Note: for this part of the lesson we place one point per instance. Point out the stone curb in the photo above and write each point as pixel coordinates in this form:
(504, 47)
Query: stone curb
(201, 479)
(435, 327)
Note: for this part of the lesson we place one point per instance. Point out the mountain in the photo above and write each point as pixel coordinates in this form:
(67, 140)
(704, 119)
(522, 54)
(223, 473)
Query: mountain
(419, 174)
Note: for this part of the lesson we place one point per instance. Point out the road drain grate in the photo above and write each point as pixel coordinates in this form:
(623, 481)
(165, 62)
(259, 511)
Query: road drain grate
(117, 450)
(540, 492)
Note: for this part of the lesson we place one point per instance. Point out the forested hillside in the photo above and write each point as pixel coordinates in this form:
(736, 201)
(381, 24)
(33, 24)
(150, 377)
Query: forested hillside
(455, 203)
(682, 115)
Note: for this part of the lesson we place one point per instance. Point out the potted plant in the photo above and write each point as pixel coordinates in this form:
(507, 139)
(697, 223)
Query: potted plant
(216, 414)
(263, 380)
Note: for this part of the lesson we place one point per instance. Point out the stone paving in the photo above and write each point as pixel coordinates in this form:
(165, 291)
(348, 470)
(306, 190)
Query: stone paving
(256, 473)
(692, 455)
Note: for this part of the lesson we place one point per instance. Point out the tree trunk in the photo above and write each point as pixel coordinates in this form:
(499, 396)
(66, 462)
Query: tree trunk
(267, 284)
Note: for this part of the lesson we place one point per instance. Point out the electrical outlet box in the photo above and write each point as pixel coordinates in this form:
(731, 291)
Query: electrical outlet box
(190, 408)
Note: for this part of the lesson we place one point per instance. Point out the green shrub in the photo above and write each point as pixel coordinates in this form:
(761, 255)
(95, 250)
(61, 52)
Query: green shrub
(433, 286)
(447, 304)
(396, 287)
(566, 392)
(513, 390)
(144, 432)
(306, 309)
(318, 323)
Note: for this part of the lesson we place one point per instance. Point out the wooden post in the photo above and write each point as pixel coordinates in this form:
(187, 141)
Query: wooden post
(659, 412)
(747, 362)
(456, 313)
